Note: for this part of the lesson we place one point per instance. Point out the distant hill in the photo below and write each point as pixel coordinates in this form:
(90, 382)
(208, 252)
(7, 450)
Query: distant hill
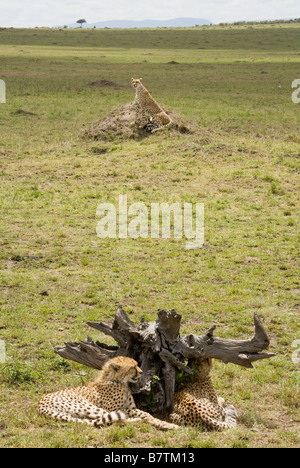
(172, 23)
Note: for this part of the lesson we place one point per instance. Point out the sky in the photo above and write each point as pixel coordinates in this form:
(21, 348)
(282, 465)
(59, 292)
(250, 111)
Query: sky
(31, 13)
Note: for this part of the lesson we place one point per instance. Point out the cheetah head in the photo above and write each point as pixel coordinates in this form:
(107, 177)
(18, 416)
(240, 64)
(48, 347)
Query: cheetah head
(136, 82)
(201, 366)
(121, 369)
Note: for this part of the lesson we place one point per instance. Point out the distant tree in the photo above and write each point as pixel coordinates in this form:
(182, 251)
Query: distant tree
(81, 21)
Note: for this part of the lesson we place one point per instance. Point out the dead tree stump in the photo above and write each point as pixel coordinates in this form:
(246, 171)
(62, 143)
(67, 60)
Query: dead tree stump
(160, 351)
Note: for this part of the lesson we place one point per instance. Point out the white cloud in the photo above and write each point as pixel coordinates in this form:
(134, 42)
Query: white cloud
(30, 13)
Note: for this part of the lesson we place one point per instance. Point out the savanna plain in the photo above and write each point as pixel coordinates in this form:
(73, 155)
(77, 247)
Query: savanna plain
(235, 83)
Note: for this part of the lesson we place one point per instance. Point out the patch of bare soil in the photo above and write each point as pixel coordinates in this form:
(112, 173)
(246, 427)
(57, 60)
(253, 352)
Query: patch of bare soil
(103, 83)
(23, 112)
(119, 125)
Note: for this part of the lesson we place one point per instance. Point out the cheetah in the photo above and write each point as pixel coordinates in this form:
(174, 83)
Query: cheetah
(148, 111)
(105, 401)
(196, 404)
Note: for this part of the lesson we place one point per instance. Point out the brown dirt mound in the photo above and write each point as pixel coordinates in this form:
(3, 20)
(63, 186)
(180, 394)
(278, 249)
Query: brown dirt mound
(118, 125)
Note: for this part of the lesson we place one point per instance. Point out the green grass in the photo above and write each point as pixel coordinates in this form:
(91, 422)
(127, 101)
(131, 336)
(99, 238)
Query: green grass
(56, 274)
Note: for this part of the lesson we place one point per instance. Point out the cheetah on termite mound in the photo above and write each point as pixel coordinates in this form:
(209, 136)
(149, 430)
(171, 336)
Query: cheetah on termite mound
(148, 111)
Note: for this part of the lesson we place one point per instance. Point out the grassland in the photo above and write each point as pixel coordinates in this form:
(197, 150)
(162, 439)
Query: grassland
(55, 273)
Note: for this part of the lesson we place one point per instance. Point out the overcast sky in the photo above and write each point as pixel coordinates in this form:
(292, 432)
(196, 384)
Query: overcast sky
(31, 13)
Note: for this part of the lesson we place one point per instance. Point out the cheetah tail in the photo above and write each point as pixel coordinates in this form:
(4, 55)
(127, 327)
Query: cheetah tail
(230, 416)
(109, 418)
(229, 421)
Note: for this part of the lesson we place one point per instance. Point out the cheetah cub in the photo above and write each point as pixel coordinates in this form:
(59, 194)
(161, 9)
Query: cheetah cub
(196, 404)
(103, 402)
(148, 111)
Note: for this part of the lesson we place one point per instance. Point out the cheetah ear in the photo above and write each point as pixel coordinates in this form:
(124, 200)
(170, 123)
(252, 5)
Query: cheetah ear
(114, 366)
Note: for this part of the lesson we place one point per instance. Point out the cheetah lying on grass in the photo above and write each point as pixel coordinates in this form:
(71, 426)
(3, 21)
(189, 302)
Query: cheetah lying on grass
(103, 402)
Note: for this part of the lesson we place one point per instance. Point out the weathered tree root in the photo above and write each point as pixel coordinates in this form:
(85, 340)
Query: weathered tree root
(160, 351)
